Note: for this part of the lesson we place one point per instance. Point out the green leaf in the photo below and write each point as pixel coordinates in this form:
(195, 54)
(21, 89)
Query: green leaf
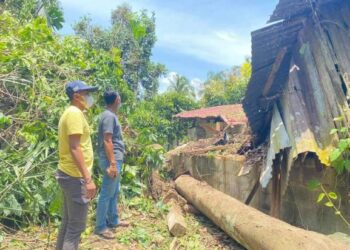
(329, 204)
(344, 130)
(333, 131)
(347, 165)
(313, 184)
(338, 119)
(343, 144)
(336, 153)
(333, 195)
(320, 197)
(339, 168)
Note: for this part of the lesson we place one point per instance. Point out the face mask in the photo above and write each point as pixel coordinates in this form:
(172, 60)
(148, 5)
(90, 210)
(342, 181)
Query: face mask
(89, 101)
(119, 106)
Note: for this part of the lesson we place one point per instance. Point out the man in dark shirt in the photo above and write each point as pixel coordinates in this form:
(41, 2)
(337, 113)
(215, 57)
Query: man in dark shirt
(111, 153)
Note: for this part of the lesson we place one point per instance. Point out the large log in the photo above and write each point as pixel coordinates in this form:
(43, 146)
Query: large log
(250, 227)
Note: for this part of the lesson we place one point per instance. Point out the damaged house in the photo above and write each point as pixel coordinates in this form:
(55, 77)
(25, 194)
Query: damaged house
(299, 85)
(298, 90)
(208, 122)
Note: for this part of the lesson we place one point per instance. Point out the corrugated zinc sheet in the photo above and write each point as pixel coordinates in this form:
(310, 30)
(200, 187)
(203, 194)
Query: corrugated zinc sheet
(231, 114)
(279, 140)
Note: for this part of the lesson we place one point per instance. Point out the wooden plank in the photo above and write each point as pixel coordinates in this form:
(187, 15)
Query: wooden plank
(275, 68)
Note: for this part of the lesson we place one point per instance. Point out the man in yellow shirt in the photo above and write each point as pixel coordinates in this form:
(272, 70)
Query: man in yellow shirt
(75, 164)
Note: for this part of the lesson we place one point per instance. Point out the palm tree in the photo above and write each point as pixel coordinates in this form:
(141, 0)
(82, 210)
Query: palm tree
(181, 84)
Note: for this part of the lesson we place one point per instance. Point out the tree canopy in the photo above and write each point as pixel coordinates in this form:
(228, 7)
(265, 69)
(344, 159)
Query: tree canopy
(133, 33)
(226, 87)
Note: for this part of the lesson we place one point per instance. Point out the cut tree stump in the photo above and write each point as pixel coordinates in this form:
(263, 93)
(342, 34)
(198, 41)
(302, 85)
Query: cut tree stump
(250, 227)
(176, 222)
(167, 193)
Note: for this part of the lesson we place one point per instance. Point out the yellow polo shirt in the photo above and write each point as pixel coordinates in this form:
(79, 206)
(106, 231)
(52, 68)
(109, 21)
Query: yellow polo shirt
(73, 122)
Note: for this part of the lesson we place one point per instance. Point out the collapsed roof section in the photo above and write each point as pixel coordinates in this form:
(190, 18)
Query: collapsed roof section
(230, 114)
(300, 80)
(273, 48)
(287, 9)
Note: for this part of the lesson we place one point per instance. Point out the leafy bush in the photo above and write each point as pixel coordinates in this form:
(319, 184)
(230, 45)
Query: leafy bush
(35, 65)
(226, 87)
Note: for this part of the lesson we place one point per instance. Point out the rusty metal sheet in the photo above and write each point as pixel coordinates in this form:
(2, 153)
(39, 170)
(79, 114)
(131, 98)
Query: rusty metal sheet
(278, 141)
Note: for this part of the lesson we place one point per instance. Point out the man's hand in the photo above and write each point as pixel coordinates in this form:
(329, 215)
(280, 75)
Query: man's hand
(90, 189)
(112, 171)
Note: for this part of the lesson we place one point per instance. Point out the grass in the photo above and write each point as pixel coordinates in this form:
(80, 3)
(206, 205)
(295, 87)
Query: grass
(148, 230)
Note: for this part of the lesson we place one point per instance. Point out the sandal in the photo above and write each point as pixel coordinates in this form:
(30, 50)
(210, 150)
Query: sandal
(107, 234)
(123, 224)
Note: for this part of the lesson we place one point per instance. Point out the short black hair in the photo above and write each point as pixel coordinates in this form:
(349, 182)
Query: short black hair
(110, 96)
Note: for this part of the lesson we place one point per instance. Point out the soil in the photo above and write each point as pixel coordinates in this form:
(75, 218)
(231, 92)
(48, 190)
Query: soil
(237, 144)
(147, 230)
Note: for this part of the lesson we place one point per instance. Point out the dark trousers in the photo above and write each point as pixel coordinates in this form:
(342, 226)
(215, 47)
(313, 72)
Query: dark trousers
(75, 208)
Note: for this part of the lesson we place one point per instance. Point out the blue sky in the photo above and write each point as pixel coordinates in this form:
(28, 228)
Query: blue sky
(193, 36)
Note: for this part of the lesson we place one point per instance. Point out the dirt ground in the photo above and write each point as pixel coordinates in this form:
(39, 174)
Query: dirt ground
(147, 230)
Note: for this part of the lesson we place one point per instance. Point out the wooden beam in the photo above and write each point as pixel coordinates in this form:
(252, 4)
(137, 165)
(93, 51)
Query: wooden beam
(275, 68)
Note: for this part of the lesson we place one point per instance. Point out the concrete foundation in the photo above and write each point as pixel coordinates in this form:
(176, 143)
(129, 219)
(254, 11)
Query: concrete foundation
(298, 202)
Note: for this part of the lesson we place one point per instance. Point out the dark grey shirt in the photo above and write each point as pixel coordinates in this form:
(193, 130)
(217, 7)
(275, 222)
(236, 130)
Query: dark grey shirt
(109, 124)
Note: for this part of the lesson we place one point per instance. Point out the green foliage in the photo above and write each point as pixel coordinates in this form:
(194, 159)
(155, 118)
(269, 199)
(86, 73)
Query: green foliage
(26, 10)
(35, 65)
(133, 33)
(226, 87)
(340, 156)
(340, 161)
(154, 118)
(5, 121)
(328, 199)
(182, 85)
(313, 184)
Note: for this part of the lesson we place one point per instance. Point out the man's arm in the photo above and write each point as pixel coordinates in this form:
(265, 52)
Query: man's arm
(112, 171)
(77, 154)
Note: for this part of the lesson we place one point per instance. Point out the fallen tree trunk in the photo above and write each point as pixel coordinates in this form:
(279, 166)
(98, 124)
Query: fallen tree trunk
(250, 227)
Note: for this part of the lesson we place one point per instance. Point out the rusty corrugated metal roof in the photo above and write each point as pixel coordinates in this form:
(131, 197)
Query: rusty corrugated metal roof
(231, 114)
(287, 9)
(266, 45)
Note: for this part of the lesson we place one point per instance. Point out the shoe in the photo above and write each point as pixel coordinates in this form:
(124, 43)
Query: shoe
(123, 224)
(107, 234)
(113, 229)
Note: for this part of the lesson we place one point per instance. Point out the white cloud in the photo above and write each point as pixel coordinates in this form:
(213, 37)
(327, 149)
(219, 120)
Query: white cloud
(197, 85)
(165, 81)
(178, 30)
(188, 34)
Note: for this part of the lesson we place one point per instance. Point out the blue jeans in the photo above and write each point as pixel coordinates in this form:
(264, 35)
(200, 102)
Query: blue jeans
(107, 212)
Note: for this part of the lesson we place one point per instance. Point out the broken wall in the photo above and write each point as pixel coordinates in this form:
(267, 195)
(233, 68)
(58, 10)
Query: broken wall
(221, 172)
(299, 206)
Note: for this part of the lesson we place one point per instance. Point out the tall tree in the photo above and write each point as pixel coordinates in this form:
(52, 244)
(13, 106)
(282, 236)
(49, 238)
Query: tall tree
(133, 33)
(226, 87)
(26, 10)
(181, 84)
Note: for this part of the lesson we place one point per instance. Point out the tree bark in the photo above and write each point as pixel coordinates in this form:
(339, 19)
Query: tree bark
(250, 227)
(175, 220)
